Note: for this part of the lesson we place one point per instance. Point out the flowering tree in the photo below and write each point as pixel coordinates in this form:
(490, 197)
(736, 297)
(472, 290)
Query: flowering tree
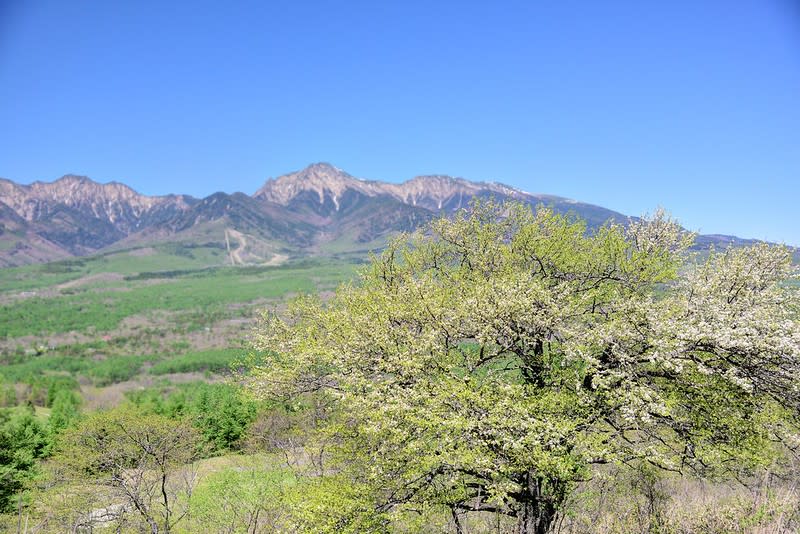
(487, 364)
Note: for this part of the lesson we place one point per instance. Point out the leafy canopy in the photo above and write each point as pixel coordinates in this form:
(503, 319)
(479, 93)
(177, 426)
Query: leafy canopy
(141, 462)
(489, 362)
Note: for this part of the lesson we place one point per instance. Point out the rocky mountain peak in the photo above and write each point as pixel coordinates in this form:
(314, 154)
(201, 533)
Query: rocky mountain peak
(443, 192)
(323, 167)
(71, 189)
(73, 179)
(327, 183)
(110, 200)
(321, 179)
(105, 211)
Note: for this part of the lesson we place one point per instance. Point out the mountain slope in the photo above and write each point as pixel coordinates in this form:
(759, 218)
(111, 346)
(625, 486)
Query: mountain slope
(338, 204)
(317, 210)
(323, 189)
(242, 213)
(74, 216)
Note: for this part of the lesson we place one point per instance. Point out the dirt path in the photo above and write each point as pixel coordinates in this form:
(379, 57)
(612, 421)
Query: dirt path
(236, 254)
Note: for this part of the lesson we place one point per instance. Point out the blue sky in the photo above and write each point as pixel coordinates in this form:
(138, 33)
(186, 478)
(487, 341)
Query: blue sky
(693, 106)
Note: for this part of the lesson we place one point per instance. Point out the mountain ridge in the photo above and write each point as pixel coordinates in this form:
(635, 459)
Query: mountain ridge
(324, 177)
(295, 214)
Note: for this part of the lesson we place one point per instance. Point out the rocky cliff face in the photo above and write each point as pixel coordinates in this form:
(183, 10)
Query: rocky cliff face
(113, 203)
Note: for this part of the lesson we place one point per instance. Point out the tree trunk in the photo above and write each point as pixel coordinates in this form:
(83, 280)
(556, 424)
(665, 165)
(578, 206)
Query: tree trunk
(166, 501)
(456, 520)
(534, 518)
(537, 510)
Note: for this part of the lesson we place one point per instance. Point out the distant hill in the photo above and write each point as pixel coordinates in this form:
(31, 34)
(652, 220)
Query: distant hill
(318, 210)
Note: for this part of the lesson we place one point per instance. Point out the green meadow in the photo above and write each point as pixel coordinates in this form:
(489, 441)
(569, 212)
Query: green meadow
(132, 315)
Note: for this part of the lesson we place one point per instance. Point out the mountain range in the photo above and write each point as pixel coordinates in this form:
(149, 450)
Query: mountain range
(315, 211)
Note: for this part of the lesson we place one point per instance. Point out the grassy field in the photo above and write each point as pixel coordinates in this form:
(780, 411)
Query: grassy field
(102, 303)
(134, 314)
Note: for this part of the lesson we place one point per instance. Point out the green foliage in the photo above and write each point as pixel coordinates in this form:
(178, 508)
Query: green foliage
(334, 504)
(47, 373)
(63, 266)
(32, 277)
(215, 361)
(23, 439)
(30, 368)
(106, 441)
(8, 393)
(176, 297)
(116, 369)
(248, 496)
(63, 414)
(489, 363)
(43, 389)
(141, 458)
(220, 412)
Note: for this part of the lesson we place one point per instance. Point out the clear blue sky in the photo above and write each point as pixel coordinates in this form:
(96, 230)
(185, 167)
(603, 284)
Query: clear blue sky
(693, 106)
